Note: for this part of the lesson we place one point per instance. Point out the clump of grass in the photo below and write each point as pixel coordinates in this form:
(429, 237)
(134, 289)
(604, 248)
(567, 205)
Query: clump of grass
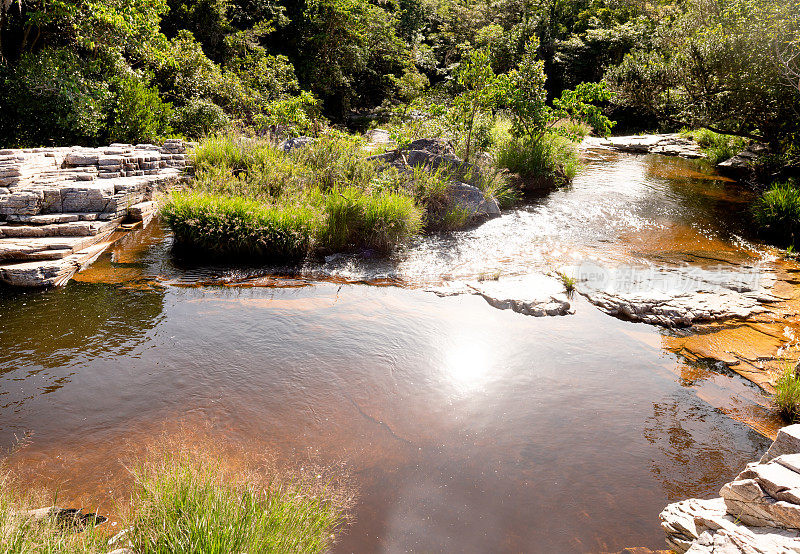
(777, 212)
(552, 156)
(21, 534)
(182, 505)
(567, 281)
(226, 226)
(377, 220)
(715, 146)
(787, 394)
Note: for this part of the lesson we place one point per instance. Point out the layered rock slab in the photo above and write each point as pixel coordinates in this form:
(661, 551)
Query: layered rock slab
(58, 204)
(758, 512)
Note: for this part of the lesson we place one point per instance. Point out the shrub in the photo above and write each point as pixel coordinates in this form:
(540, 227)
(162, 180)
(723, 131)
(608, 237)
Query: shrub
(199, 118)
(53, 97)
(787, 394)
(137, 113)
(777, 212)
(715, 146)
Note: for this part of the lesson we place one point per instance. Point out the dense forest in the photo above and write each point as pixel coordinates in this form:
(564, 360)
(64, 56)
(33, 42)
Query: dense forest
(95, 71)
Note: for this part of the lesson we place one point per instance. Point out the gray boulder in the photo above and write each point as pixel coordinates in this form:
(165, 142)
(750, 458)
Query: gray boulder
(472, 200)
(432, 154)
(297, 142)
(463, 193)
(741, 165)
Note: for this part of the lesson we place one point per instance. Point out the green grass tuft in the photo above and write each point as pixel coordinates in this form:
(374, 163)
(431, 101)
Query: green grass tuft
(777, 213)
(183, 506)
(553, 156)
(787, 394)
(567, 281)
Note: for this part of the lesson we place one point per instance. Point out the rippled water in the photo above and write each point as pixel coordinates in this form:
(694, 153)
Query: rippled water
(467, 428)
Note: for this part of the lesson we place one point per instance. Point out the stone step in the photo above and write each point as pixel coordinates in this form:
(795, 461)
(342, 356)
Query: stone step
(23, 248)
(72, 229)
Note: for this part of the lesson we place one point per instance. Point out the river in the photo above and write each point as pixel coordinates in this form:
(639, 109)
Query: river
(465, 428)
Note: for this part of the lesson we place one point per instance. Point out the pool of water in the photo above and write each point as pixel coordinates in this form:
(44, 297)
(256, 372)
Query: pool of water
(465, 428)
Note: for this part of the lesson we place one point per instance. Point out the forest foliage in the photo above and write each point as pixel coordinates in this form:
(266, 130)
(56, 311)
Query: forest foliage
(97, 71)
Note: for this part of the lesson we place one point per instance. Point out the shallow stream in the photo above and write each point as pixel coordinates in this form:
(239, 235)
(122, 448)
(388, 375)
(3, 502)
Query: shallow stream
(466, 428)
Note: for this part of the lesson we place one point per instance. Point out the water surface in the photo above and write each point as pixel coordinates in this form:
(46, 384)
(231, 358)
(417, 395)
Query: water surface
(467, 428)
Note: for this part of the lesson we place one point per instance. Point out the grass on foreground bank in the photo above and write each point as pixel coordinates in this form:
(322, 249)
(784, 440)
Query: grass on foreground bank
(250, 199)
(180, 504)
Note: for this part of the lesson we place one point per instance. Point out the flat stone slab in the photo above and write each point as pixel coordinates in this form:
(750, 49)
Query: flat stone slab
(668, 144)
(676, 296)
(535, 295)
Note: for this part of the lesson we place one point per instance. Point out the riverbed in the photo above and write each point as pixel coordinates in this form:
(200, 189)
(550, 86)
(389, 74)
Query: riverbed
(465, 427)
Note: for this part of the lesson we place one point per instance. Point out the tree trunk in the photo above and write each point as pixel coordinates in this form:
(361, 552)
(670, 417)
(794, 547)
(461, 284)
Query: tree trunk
(469, 134)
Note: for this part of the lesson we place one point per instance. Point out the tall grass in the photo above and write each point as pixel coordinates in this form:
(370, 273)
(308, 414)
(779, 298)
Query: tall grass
(225, 226)
(777, 212)
(715, 146)
(787, 394)
(20, 534)
(182, 505)
(371, 220)
(552, 156)
(191, 500)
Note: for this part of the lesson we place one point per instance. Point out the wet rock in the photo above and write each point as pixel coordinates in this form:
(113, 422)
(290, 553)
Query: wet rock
(741, 166)
(669, 144)
(675, 296)
(69, 518)
(534, 295)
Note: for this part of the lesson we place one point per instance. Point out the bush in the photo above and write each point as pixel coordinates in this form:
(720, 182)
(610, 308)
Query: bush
(53, 97)
(137, 113)
(777, 213)
(787, 394)
(553, 156)
(199, 118)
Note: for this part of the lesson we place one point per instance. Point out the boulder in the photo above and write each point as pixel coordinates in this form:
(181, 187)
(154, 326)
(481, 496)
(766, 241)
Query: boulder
(435, 154)
(741, 166)
(297, 142)
(472, 200)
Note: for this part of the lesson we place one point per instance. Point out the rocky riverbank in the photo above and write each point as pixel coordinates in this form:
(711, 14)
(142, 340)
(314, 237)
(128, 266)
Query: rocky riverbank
(59, 207)
(758, 512)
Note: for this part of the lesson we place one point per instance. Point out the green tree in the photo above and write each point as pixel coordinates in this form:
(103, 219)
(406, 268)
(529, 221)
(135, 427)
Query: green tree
(477, 80)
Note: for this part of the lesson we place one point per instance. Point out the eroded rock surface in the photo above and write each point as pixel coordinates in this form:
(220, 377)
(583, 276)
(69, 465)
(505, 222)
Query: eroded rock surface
(677, 296)
(758, 512)
(668, 144)
(534, 295)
